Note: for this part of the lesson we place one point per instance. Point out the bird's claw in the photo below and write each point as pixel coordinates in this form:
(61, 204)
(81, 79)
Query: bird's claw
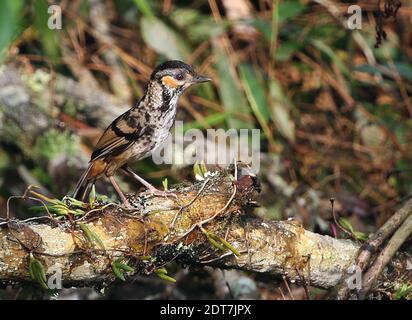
(127, 205)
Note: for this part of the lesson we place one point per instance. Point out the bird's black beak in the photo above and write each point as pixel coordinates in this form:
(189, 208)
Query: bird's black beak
(198, 78)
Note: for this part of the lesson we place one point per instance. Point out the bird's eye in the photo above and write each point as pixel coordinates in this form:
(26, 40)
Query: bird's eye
(180, 76)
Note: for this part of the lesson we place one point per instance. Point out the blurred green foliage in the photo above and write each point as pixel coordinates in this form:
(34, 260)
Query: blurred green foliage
(10, 23)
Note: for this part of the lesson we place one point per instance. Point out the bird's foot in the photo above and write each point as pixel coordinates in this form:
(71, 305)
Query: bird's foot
(127, 205)
(161, 193)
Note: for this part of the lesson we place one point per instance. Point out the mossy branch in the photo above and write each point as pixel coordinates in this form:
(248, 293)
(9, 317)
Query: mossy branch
(161, 230)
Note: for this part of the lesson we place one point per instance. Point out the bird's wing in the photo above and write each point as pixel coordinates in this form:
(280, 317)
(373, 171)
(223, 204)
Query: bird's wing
(118, 137)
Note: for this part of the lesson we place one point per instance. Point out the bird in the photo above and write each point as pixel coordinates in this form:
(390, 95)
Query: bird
(137, 132)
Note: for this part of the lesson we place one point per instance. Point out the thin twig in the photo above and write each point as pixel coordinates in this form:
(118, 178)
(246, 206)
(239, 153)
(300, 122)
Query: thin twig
(332, 202)
(399, 237)
(189, 204)
(376, 240)
(287, 287)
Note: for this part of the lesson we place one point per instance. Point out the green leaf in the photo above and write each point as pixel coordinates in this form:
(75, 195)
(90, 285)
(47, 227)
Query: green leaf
(91, 236)
(37, 208)
(162, 274)
(215, 243)
(92, 196)
(117, 272)
(163, 39)
(78, 212)
(119, 268)
(166, 277)
(60, 211)
(74, 203)
(60, 207)
(327, 50)
(200, 170)
(367, 68)
(405, 70)
(213, 119)
(185, 17)
(403, 292)
(203, 168)
(36, 271)
(198, 27)
(197, 171)
(221, 243)
(360, 236)
(229, 246)
(49, 38)
(125, 267)
(10, 23)
(165, 184)
(289, 9)
(250, 79)
(346, 224)
(280, 113)
(161, 270)
(232, 97)
(286, 49)
(257, 100)
(286, 10)
(274, 33)
(144, 7)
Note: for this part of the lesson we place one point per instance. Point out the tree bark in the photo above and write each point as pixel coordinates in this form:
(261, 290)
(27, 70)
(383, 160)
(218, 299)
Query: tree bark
(147, 238)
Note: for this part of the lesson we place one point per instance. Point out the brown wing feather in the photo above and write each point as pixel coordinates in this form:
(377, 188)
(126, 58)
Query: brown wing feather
(118, 137)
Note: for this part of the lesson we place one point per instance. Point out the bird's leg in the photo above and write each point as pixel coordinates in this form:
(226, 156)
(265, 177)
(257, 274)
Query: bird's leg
(150, 188)
(119, 191)
(130, 173)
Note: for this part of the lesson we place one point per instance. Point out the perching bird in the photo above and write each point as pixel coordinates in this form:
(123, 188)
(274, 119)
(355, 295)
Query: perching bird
(138, 131)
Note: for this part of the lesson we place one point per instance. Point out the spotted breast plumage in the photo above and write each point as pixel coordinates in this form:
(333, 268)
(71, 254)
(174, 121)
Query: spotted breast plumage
(140, 130)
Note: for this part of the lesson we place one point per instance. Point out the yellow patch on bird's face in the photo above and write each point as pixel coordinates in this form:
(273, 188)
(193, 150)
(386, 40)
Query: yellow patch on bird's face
(170, 82)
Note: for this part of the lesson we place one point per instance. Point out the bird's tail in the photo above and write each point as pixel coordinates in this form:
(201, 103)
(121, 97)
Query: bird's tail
(84, 185)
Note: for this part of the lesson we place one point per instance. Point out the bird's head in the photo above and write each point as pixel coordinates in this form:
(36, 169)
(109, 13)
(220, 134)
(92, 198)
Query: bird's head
(176, 76)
